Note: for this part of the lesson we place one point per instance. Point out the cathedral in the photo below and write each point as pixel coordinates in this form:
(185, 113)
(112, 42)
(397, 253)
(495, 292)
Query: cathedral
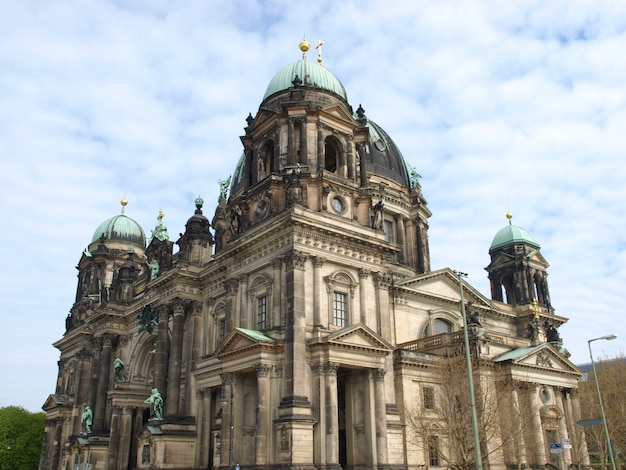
(302, 325)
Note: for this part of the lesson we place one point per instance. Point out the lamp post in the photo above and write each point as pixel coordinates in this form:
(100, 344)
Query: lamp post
(10, 446)
(595, 377)
(470, 378)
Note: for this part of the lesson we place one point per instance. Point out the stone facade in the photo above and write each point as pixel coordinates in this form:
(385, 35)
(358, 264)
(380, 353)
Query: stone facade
(297, 328)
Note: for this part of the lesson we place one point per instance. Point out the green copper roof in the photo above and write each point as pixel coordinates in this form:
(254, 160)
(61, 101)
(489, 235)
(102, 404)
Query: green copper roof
(516, 353)
(255, 334)
(512, 234)
(121, 228)
(312, 75)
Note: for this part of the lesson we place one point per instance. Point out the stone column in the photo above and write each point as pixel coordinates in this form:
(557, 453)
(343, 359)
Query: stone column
(94, 372)
(242, 317)
(160, 357)
(567, 453)
(264, 414)
(277, 264)
(192, 345)
(320, 146)
(172, 401)
(382, 283)
(295, 326)
(400, 237)
(125, 428)
(231, 286)
(303, 142)
(535, 406)
(114, 438)
(332, 414)
(291, 151)
(519, 449)
(370, 419)
(421, 258)
(363, 275)
(203, 420)
(350, 157)
(103, 381)
(318, 262)
(381, 416)
(229, 431)
(363, 164)
(319, 405)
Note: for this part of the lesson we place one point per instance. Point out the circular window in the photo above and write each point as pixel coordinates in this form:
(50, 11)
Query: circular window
(338, 204)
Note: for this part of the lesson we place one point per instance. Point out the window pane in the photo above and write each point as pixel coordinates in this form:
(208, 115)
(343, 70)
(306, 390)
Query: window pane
(261, 311)
(388, 227)
(429, 398)
(442, 326)
(340, 309)
(433, 451)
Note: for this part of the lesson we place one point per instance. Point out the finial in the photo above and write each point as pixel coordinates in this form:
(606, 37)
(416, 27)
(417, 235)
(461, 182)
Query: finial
(509, 216)
(124, 203)
(160, 216)
(304, 47)
(320, 43)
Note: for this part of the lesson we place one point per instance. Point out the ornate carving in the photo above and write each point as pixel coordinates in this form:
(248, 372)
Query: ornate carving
(383, 280)
(296, 259)
(364, 273)
(231, 286)
(543, 359)
(318, 261)
(263, 370)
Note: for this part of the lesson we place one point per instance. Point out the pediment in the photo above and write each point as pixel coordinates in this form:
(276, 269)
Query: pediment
(54, 401)
(339, 112)
(444, 284)
(242, 340)
(543, 356)
(354, 337)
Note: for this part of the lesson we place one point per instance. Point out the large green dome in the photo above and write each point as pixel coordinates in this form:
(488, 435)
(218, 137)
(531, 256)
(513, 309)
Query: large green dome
(312, 75)
(511, 235)
(121, 228)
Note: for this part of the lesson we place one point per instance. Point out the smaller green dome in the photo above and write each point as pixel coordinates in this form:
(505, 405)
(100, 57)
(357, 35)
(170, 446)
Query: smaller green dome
(121, 228)
(311, 74)
(511, 235)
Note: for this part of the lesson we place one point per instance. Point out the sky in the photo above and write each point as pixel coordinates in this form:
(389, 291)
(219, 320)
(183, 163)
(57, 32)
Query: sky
(513, 106)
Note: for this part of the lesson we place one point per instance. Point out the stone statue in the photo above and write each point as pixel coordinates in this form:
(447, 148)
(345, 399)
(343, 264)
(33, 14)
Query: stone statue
(223, 188)
(414, 177)
(154, 269)
(378, 214)
(156, 404)
(148, 319)
(118, 369)
(86, 420)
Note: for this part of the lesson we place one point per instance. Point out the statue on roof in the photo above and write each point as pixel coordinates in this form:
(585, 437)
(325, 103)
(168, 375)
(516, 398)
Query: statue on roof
(223, 188)
(414, 177)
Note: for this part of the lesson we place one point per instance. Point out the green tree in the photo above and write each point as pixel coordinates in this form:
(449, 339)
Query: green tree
(22, 431)
(611, 378)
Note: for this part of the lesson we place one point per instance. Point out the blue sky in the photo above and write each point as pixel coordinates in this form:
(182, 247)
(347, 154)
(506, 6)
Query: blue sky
(501, 106)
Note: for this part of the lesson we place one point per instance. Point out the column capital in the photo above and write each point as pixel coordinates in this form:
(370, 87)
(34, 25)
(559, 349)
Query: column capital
(295, 259)
(364, 273)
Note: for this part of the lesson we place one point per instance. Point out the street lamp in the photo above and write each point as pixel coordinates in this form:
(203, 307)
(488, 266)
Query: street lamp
(595, 377)
(470, 378)
(10, 446)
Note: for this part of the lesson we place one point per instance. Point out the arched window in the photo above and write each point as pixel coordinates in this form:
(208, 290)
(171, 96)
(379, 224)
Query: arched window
(331, 155)
(509, 291)
(438, 326)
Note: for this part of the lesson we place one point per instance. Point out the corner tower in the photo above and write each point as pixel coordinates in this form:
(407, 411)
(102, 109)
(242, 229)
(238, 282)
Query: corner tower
(517, 272)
